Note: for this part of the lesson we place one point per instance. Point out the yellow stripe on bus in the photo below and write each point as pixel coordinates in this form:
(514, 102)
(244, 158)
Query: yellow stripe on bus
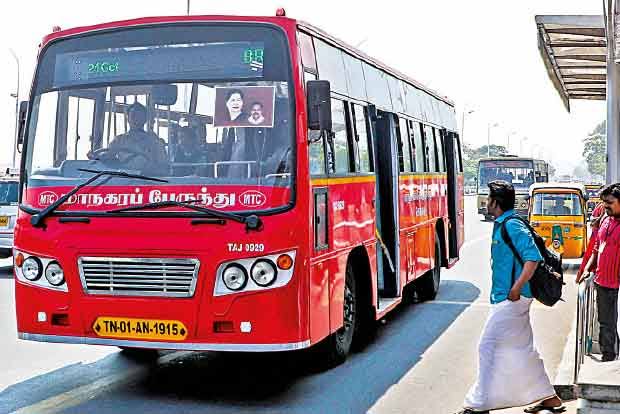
(343, 180)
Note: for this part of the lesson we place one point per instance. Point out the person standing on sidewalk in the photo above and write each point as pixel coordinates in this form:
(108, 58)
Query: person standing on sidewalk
(510, 370)
(605, 262)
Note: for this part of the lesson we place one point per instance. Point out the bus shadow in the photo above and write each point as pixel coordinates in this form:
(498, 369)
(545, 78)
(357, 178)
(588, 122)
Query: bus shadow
(290, 382)
(273, 382)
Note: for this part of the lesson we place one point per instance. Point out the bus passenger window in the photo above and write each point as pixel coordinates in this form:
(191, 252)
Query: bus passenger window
(441, 163)
(404, 153)
(430, 148)
(418, 141)
(340, 141)
(361, 132)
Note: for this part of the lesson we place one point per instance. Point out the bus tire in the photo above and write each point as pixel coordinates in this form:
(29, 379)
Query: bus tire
(428, 285)
(146, 355)
(337, 346)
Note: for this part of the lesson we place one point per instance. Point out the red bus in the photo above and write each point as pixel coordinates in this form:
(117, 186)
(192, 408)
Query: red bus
(227, 183)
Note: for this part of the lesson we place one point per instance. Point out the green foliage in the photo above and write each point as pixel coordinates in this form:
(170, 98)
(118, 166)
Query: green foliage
(595, 150)
(473, 155)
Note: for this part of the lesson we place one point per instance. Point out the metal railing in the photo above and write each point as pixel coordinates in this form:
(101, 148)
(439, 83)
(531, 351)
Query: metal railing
(585, 322)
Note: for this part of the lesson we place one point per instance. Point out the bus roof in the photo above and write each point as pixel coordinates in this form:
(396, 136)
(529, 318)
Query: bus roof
(510, 158)
(280, 21)
(558, 186)
(370, 60)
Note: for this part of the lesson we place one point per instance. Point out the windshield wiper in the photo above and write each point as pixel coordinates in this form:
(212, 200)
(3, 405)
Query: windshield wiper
(252, 222)
(37, 219)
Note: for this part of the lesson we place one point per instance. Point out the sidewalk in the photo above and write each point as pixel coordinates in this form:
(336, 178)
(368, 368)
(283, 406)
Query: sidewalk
(571, 408)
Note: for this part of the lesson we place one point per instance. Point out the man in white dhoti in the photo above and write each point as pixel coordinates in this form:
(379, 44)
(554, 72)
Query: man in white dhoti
(510, 371)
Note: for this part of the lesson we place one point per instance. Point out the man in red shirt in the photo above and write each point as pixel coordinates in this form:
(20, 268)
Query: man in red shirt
(606, 260)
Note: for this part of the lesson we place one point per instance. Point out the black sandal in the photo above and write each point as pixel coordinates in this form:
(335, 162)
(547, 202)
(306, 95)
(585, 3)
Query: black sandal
(539, 407)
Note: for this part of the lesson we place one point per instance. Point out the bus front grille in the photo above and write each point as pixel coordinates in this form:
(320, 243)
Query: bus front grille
(139, 276)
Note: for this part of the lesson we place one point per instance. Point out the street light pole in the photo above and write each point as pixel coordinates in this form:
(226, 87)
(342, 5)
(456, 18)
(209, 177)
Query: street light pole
(489, 126)
(465, 112)
(16, 96)
(188, 1)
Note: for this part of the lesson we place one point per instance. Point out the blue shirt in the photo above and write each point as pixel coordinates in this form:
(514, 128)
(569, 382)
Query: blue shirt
(503, 261)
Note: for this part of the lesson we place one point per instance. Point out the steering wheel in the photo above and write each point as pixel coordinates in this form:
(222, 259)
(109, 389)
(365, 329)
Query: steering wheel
(113, 154)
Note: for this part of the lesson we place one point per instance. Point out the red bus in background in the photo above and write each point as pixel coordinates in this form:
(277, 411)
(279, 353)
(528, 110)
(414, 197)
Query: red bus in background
(228, 183)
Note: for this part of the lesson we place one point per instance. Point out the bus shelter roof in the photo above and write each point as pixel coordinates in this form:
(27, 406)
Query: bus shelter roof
(574, 50)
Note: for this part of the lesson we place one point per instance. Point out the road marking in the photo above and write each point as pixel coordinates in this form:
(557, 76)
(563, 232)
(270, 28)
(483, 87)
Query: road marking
(86, 392)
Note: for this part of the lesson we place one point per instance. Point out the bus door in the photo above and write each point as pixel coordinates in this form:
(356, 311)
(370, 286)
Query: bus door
(386, 166)
(455, 198)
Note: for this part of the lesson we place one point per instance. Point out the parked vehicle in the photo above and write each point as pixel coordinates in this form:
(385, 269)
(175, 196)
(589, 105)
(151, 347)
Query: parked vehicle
(9, 184)
(558, 213)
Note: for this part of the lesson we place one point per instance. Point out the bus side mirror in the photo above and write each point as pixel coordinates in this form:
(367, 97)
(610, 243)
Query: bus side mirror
(319, 105)
(21, 121)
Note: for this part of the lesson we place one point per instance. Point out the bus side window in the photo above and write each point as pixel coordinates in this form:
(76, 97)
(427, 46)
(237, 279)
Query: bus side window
(404, 152)
(458, 155)
(430, 148)
(341, 150)
(419, 147)
(363, 161)
(441, 162)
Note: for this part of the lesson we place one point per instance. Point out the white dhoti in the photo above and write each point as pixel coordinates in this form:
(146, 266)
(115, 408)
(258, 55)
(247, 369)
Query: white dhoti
(510, 371)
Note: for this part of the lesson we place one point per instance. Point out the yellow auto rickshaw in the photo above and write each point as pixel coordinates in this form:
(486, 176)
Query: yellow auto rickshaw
(593, 193)
(558, 213)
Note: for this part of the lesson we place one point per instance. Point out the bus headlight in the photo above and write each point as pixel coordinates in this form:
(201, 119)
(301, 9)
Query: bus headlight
(54, 274)
(254, 274)
(263, 272)
(32, 268)
(235, 277)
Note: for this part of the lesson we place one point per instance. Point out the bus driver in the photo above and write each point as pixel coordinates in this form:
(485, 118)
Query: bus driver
(137, 148)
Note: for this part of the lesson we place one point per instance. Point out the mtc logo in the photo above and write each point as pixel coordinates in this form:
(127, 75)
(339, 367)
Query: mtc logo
(253, 198)
(47, 197)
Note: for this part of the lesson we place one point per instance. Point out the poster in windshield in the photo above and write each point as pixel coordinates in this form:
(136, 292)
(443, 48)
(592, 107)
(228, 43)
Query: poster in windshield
(244, 106)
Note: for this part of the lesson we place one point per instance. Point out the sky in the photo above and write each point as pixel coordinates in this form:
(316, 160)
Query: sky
(481, 54)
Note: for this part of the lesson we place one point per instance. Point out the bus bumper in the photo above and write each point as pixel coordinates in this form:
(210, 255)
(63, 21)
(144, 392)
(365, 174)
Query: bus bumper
(274, 317)
(181, 346)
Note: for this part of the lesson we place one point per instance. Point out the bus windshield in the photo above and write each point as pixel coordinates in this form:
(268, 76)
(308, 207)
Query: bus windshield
(8, 192)
(207, 108)
(556, 204)
(520, 173)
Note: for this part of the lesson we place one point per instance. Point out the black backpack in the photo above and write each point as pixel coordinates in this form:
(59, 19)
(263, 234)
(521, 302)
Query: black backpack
(548, 279)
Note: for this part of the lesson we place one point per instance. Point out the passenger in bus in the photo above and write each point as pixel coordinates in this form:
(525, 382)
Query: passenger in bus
(139, 149)
(265, 150)
(188, 150)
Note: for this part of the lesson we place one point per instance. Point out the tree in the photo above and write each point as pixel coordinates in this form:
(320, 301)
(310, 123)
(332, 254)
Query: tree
(595, 150)
(473, 155)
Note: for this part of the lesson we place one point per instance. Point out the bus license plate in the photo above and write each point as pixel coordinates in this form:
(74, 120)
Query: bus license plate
(130, 328)
(4, 221)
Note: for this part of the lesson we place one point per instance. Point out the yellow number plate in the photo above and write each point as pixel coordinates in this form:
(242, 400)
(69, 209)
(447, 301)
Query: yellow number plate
(130, 328)
(4, 221)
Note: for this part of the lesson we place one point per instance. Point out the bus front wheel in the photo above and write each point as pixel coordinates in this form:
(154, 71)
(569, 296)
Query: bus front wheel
(337, 346)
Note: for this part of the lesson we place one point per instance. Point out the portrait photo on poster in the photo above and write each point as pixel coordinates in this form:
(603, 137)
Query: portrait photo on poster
(244, 106)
